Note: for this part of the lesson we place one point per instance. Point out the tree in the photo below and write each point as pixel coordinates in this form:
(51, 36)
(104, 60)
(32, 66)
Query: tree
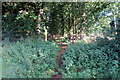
(60, 18)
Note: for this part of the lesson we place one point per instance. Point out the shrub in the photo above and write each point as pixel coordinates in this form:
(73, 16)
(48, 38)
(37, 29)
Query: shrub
(20, 25)
(89, 61)
(0, 60)
(28, 58)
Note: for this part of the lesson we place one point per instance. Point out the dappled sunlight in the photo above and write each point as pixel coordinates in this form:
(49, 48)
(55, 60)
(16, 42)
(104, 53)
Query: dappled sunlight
(60, 40)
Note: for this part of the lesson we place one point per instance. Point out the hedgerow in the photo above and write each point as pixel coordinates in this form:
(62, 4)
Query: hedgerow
(28, 58)
(89, 61)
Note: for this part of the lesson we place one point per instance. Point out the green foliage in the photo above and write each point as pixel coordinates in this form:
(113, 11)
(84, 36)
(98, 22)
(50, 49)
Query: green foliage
(28, 58)
(60, 18)
(0, 55)
(24, 24)
(65, 39)
(8, 25)
(89, 61)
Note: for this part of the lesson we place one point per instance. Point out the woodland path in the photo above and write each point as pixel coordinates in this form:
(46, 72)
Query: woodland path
(59, 62)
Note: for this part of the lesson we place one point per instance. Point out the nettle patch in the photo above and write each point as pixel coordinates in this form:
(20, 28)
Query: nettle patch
(29, 59)
(89, 61)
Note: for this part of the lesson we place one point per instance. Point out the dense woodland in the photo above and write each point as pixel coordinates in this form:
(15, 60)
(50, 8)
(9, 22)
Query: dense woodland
(31, 31)
(63, 18)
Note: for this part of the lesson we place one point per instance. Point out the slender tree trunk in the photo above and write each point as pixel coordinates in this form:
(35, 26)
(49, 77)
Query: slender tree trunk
(46, 32)
(81, 33)
(39, 20)
(69, 25)
(39, 17)
(62, 21)
(83, 23)
(74, 26)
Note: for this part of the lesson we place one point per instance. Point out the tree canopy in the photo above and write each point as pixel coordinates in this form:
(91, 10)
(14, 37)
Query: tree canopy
(63, 18)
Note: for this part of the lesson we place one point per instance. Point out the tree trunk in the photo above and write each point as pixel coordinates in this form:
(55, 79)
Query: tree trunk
(69, 25)
(62, 21)
(39, 20)
(46, 32)
(39, 17)
(81, 33)
(83, 22)
(75, 24)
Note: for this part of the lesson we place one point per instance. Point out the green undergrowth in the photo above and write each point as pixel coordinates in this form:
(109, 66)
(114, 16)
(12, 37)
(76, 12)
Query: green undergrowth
(29, 58)
(91, 60)
(0, 67)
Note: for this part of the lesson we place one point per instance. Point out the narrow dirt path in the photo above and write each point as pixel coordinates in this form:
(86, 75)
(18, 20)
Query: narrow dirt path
(59, 62)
